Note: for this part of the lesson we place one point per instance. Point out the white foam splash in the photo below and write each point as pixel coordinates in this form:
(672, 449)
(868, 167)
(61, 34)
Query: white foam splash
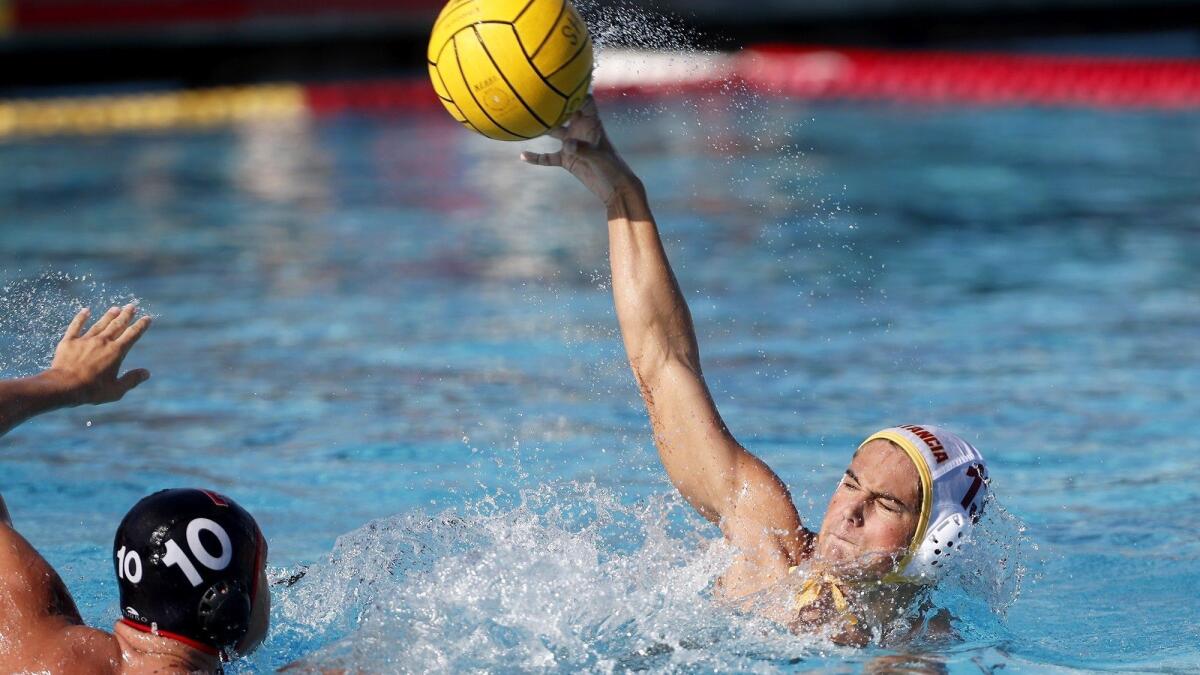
(569, 579)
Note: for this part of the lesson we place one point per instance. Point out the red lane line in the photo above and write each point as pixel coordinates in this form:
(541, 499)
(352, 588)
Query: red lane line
(915, 77)
(43, 15)
(966, 78)
(375, 96)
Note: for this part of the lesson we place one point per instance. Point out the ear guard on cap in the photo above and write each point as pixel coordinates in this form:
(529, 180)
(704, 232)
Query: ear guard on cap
(942, 541)
(954, 481)
(224, 612)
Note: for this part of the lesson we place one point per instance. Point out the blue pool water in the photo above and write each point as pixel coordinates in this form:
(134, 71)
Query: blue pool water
(394, 344)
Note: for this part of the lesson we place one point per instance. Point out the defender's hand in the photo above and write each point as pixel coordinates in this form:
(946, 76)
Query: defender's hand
(589, 156)
(85, 365)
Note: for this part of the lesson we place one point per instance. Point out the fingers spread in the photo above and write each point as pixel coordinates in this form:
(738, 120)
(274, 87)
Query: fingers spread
(131, 334)
(103, 322)
(542, 159)
(75, 328)
(114, 327)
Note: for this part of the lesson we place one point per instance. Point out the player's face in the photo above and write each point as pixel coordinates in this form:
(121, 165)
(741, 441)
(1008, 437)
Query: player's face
(874, 510)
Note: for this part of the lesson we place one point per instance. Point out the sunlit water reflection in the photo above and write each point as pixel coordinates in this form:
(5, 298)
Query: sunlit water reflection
(395, 345)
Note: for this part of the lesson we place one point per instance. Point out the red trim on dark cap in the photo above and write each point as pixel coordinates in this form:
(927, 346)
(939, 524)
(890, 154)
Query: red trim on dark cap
(194, 644)
(216, 498)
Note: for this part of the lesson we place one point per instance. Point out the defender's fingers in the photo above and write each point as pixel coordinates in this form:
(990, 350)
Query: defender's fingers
(75, 328)
(589, 106)
(119, 322)
(558, 132)
(131, 334)
(542, 159)
(103, 321)
(132, 379)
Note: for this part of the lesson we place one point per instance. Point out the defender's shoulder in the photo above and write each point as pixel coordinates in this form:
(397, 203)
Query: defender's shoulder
(32, 595)
(55, 646)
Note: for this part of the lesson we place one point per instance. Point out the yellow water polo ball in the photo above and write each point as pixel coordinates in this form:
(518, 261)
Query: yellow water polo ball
(510, 69)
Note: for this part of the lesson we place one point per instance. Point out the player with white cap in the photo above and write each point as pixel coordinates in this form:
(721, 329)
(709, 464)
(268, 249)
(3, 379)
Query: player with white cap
(907, 501)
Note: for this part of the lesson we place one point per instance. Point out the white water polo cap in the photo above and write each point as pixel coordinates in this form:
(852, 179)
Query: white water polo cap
(953, 487)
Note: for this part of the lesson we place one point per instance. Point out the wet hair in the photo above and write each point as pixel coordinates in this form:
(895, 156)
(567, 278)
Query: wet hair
(188, 564)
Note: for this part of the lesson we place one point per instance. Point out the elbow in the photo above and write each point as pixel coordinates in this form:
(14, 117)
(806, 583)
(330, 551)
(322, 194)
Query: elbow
(658, 365)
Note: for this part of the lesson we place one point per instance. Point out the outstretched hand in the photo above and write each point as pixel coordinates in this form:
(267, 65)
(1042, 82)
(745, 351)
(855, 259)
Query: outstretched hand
(87, 363)
(589, 156)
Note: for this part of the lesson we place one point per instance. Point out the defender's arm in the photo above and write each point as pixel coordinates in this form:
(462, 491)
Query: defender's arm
(33, 598)
(84, 369)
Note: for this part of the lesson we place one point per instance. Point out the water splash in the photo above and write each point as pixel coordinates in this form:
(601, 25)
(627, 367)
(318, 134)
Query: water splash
(625, 25)
(35, 310)
(568, 578)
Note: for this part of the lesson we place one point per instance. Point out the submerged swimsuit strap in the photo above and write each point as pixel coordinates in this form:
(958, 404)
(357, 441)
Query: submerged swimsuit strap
(814, 587)
(918, 460)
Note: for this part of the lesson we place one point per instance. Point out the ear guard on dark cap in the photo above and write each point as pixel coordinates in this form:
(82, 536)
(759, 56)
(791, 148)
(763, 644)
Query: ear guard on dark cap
(188, 564)
(225, 611)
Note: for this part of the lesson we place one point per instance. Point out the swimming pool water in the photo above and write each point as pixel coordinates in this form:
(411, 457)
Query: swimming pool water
(394, 344)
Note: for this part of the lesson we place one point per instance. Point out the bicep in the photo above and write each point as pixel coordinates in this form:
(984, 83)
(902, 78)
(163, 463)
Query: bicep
(718, 476)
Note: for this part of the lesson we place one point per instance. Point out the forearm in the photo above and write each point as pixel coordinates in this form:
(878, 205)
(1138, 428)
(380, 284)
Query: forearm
(656, 324)
(26, 397)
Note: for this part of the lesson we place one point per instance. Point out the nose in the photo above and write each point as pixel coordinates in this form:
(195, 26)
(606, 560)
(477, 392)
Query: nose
(855, 511)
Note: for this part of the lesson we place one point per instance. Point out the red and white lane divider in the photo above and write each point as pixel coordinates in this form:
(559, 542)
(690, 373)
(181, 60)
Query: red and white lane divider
(940, 78)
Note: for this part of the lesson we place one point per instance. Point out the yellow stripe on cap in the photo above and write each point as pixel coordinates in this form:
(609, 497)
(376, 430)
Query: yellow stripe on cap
(918, 459)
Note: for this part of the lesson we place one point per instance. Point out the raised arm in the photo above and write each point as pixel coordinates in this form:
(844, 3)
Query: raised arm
(84, 370)
(717, 476)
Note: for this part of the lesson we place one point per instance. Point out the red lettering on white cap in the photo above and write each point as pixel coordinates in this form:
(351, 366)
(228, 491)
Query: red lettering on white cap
(935, 446)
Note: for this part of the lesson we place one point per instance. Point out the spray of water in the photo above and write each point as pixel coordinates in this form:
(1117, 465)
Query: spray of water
(566, 578)
(35, 310)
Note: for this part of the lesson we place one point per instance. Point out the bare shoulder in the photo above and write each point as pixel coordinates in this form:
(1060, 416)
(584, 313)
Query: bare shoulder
(766, 532)
(30, 589)
(763, 516)
(39, 621)
(57, 647)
